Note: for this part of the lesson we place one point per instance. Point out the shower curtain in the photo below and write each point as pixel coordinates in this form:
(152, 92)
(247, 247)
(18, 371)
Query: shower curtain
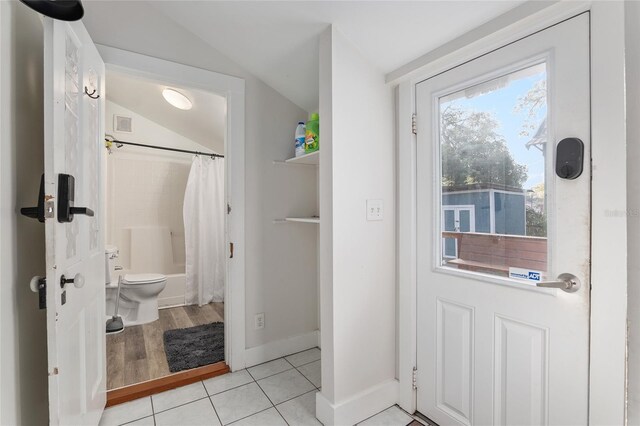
(203, 213)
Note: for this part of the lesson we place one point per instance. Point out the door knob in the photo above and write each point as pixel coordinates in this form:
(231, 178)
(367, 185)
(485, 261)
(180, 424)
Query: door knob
(77, 280)
(566, 282)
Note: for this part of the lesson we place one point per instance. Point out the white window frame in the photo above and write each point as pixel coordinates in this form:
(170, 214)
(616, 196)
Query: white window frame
(456, 218)
(608, 335)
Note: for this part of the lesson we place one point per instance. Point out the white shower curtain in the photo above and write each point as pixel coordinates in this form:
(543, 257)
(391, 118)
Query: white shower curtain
(203, 214)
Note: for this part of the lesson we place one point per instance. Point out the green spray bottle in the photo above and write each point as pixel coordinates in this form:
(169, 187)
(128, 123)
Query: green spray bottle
(312, 137)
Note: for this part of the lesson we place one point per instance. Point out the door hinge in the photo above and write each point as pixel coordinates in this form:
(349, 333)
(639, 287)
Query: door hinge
(414, 126)
(230, 250)
(414, 378)
(228, 208)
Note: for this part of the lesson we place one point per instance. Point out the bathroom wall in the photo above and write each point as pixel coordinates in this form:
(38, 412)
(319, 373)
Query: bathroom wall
(145, 195)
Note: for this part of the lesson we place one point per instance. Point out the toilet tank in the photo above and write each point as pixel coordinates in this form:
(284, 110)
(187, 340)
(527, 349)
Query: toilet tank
(110, 256)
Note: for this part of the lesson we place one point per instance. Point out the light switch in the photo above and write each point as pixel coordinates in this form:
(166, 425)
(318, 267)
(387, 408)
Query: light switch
(374, 210)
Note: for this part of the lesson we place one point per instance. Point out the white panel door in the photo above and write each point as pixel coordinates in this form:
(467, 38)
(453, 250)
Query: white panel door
(74, 144)
(499, 342)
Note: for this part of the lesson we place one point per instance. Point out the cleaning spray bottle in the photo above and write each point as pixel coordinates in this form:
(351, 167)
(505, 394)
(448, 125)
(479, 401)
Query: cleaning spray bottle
(300, 136)
(312, 139)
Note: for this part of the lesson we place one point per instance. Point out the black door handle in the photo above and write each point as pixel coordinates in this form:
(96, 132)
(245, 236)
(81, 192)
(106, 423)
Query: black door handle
(81, 210)
(66, 196)
(36, 212)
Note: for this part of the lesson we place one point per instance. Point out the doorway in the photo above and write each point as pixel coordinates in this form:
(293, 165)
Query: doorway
(502, 334)
(190, 80)
(165, 228)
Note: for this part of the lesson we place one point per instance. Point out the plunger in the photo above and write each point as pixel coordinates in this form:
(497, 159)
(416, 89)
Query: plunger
(115, 324)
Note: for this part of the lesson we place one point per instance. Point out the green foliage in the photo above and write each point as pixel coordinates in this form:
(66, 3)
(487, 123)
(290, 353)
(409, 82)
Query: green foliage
(473, 151)
(536, 223)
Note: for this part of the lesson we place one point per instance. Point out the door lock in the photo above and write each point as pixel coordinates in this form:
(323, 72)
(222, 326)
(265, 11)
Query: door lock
(565, 282)
(66, 197)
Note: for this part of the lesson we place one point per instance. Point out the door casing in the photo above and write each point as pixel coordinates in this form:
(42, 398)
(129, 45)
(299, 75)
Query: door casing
(608, 131)
(233, 89)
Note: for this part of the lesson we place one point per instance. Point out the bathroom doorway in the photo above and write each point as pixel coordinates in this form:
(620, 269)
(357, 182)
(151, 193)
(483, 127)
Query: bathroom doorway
(166, 231)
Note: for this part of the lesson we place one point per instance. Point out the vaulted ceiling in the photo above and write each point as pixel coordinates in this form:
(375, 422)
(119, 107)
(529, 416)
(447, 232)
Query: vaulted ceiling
(277, 41)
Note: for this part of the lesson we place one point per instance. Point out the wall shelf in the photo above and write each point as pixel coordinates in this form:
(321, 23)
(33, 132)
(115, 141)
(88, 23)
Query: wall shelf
(312, 158)
(312, 219)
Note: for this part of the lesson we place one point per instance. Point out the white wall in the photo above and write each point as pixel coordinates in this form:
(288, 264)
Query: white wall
(632, 17)
(359, 296)
(281, 264)
(145, 187)
(23, 351)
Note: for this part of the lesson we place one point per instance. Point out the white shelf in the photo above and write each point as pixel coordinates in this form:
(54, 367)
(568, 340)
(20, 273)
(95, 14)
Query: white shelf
(299, 219)
(312, 158)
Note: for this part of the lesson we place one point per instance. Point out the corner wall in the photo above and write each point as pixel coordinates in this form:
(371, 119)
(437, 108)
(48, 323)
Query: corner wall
(23, 351)
(358, 270)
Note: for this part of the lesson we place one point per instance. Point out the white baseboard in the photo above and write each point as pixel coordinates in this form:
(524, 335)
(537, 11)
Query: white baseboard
(359, 407)
(279, 348)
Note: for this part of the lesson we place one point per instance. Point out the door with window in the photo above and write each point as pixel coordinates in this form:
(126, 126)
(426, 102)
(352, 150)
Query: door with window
(503, 312)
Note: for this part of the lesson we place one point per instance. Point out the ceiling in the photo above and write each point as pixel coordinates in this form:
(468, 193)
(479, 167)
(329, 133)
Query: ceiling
(203, 124)
(278, 41)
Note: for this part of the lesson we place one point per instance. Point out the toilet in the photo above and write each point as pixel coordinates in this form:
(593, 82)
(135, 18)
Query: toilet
(138, 292)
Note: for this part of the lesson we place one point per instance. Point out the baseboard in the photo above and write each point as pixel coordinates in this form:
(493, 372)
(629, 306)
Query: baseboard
(279, 348)
(359, 407)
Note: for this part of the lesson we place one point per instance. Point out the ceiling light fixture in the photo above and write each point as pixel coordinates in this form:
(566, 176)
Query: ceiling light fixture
(177, 99)
(64, 10)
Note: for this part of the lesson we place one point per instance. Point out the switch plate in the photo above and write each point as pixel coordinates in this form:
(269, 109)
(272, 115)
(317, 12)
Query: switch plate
(374, 210)
(259, 321)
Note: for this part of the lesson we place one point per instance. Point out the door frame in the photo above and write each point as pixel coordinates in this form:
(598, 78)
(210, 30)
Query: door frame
(233, 89)
(608, 334)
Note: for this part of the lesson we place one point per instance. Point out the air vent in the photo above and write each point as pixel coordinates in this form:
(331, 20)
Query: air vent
(122, 124)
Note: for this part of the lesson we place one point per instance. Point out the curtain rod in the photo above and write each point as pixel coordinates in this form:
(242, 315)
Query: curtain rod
(111, 139)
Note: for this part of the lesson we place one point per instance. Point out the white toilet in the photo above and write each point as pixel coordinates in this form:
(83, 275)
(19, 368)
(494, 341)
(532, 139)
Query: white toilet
(138, 294)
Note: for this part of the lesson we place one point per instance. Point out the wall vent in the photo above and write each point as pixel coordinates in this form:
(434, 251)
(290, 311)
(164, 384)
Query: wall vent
(122, 124)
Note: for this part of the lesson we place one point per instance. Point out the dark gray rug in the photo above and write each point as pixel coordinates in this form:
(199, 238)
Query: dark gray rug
(193, 347)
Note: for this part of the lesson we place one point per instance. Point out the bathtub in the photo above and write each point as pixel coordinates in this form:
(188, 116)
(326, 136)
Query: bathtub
(174, 293)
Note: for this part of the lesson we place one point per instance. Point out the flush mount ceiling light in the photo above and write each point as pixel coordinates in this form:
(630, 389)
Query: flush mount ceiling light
(177, 99)
(64, 10)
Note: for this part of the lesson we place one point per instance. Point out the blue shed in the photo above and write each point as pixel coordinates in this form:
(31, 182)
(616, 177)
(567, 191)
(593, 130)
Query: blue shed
(487, 208)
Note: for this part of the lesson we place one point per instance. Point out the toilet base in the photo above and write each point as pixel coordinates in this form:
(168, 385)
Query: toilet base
(132, 312)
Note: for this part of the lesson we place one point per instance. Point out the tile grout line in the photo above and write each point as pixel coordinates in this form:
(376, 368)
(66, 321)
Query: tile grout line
(181, 405)
(153, 411)
(303, 375)
(211, 402)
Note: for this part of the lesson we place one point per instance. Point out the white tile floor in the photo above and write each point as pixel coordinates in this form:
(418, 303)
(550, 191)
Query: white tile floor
(279, 392)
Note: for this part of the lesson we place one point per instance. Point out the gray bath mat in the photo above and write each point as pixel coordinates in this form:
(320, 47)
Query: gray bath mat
(193, 347)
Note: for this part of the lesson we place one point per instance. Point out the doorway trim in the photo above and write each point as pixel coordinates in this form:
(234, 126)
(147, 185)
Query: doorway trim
(607, 352)
(233, 89)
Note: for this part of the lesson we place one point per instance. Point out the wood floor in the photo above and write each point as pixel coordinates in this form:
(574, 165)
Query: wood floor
(137, 354)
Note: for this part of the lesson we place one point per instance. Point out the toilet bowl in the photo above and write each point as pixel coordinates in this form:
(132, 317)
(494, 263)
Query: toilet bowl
(138, 302)
(139, 297)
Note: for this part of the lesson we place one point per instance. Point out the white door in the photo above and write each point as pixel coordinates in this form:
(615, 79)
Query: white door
(495, 348)
(74, 129)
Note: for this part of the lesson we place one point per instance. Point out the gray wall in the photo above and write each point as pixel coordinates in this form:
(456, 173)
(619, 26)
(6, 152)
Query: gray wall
(23, 348)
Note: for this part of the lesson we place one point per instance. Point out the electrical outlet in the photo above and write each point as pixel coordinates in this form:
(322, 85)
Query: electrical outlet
(259, 321)
(374, 210)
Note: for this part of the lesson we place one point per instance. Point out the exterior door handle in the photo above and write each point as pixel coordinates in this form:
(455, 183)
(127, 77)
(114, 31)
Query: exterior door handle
(565, 282)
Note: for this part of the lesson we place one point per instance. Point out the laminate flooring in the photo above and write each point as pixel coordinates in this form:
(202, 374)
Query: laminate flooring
(137, 354)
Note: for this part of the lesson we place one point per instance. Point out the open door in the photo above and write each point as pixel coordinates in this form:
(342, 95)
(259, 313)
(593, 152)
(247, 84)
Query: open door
(74, 129)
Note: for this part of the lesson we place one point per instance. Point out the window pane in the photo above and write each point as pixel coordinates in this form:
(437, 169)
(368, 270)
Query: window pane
(492, 150)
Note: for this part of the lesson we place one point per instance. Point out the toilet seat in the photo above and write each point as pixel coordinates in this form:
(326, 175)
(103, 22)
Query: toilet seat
(138, 279)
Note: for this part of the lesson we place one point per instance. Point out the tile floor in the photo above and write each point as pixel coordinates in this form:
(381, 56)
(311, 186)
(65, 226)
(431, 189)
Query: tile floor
(279, 392)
